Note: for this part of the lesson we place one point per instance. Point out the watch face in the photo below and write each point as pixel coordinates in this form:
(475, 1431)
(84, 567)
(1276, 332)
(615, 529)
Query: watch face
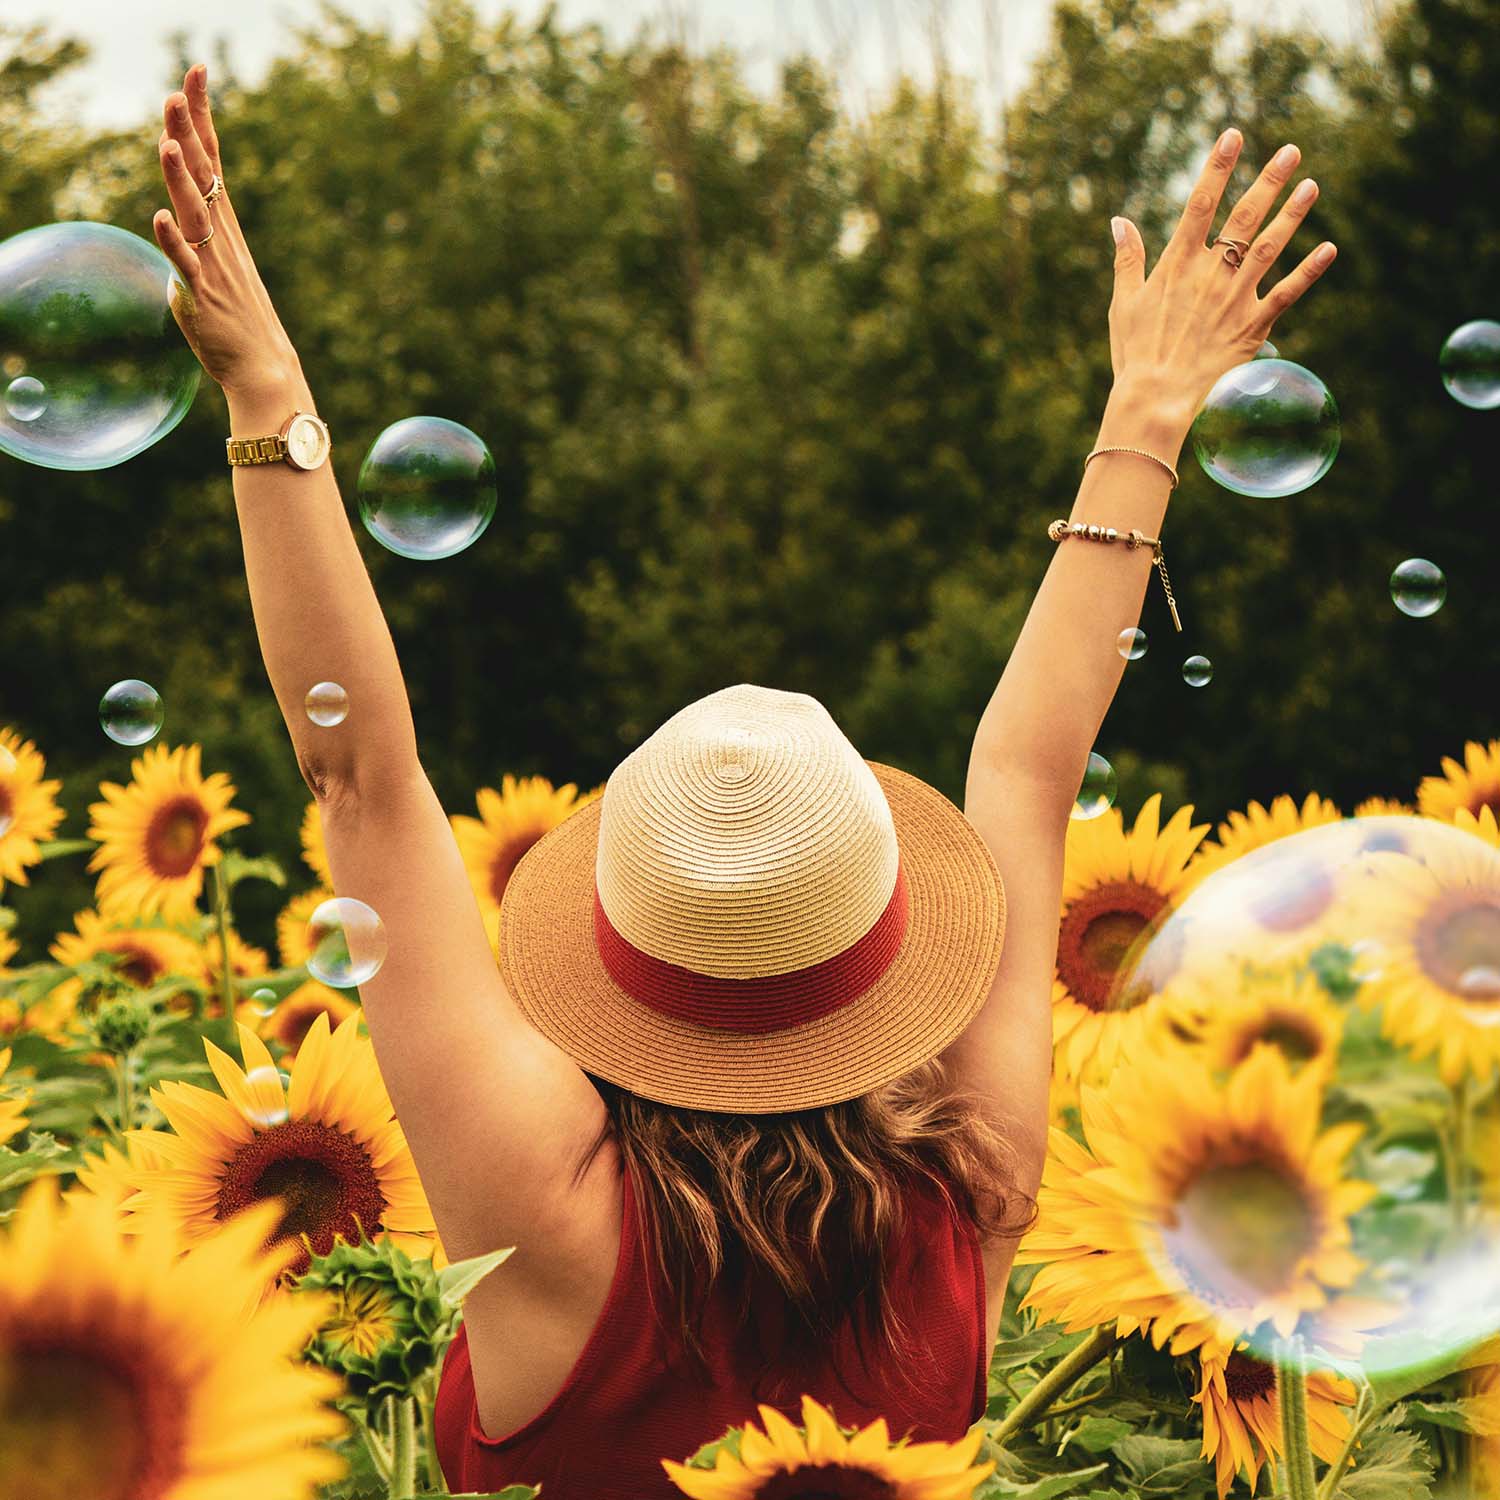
(306, 442)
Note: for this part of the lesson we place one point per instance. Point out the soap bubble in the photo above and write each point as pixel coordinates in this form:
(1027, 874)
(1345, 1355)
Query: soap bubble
(346, 943)
(263, 1001)
(1267, 350)
(98, 367)
(427, 488)
(26, 398)
(1268, 428)
(1368, 952)
(1197, 671)
(1131, 643)
(1097, 793)
(130, 712)
(266, 1089)
(1418, 587)
(1470, 364)
(327, 704)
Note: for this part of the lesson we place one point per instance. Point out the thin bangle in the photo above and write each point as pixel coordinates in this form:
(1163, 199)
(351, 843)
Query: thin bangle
(1139, 453)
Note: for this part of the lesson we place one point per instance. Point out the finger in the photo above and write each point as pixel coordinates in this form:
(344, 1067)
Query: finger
(1203, 202)
(1290, 288)
(1245, 219)
(193, 219)
(181, 129)
(196, 88)
(1274, 239)
(176, 248)
(1130, 255)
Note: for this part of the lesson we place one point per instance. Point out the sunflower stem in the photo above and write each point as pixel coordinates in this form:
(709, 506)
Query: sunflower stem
(226, 977)
(426, 1401)
(1291, 1397)
(127, 1096)
(380, 1455)
(404, 1449)
(1034, 1404)
(1463, 1120)
(1366, 1411)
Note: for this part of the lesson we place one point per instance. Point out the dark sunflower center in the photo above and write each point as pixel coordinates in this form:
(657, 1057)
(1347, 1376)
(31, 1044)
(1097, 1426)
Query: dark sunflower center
(1300, 895)
(7, 808)
(138, 965)
(1458, 945)
(1246, 1378)
(1103, 932)
(78, 1417)
(1239, 1232)
(323, 1176)
(293, 1025)
(174, 837)
(507, 857)
(1485, 797)
(826, 1482)
(1294, 1036)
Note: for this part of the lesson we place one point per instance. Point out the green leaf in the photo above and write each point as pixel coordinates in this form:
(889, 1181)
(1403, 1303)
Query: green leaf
(1012, 1354)
(1098, 1434)
(56, 848)
(1163, 1466)
(235, 867)
(44, 1154)
(456, 1280)
(1392, 1465)
(707, 1456)
(510, 1492)
(1045, 1488)
(1472, 1414)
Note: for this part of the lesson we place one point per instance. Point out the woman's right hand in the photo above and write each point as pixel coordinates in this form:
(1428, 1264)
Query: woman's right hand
(1173, 333)
(226, 315)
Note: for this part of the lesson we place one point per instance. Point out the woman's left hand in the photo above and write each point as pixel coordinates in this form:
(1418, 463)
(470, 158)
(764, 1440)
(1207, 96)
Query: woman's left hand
(227, 315)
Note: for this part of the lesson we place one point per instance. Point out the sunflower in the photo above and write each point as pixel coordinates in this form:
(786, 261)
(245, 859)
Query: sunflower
(128, 1369)
(1117, 890)
(291, 1020)
(8, 949)
(28, 808)
(291, 926)
(314, 850)
(510, 821)
(1196, 1211)
(1225, 1016)
(246, 961)
(144, 956)
(12, 1111)
(1384, 807)
(157, 835)
(820, 1461)
(1438, 982)
(328, 1144)
(1471, 786)
(1242, 1415)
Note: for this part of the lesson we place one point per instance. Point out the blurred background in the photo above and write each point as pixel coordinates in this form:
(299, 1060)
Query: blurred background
(786, 327)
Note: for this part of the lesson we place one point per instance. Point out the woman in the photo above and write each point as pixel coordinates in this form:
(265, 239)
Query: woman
(759, 1088)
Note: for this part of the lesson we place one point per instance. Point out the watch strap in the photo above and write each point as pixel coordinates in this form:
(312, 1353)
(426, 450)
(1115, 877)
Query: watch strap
(259, 450)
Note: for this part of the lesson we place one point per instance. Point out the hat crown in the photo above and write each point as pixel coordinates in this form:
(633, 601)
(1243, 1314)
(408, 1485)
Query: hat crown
(746, 837)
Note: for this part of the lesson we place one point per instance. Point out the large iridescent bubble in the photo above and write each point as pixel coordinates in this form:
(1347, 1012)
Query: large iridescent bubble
(427, 488)
(1352, 971)
(93, 368)
(1268, 428)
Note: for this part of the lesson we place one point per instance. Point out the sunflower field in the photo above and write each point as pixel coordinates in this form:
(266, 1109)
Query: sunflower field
(1269, 1220)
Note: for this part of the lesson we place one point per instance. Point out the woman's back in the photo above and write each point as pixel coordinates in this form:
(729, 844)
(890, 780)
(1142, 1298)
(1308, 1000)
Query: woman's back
(621, 1409)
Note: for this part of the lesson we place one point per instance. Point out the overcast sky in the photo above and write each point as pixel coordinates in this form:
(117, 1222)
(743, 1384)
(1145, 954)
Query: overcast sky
(867, 40)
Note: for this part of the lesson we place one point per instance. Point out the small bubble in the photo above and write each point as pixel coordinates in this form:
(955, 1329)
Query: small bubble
(263, 1001)
(1131, 643)
(1418, 587)
(26, 398)
(1267, 350)
(1096, 795)
(327, 704)
(1197, 671)
(267, 1089)
(346, 943)
(1470, 364)
(130, 713)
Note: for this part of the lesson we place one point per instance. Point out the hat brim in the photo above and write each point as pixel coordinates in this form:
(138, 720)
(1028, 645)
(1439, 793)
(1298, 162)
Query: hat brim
(931, 991)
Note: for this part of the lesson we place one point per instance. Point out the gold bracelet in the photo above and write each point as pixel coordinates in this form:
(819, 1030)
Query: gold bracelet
(1139, 453)
(1060, 530)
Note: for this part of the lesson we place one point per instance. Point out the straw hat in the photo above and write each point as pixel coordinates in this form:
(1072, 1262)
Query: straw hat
(753, 918)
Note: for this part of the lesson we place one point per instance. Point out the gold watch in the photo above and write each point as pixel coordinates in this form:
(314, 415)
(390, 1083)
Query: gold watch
(302, 443)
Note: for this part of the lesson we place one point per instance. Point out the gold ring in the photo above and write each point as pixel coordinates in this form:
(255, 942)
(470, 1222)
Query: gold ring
(214, 193)
(1234, 250)
(199, 244)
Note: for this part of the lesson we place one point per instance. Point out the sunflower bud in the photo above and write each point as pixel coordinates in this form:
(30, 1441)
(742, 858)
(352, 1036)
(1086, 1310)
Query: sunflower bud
(121, 1025)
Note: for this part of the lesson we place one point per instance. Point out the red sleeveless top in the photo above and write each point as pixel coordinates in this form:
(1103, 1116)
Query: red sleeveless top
(622, 1409)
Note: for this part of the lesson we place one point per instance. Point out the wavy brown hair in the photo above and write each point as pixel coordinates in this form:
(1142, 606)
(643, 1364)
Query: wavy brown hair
(807, 1201)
